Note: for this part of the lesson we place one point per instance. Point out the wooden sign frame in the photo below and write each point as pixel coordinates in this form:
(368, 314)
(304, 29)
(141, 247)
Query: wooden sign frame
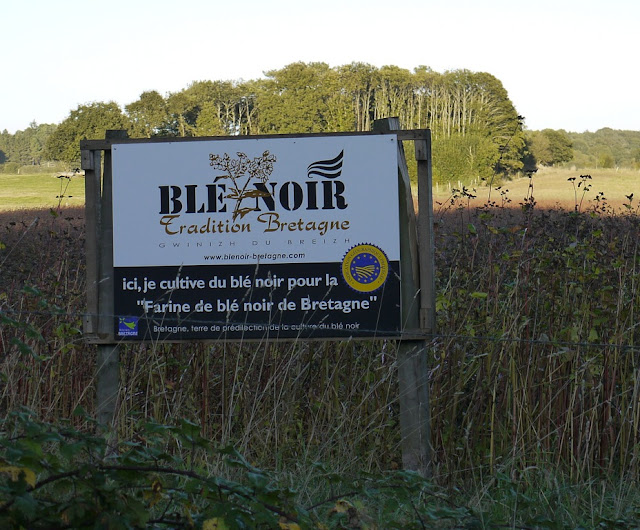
(416, 263)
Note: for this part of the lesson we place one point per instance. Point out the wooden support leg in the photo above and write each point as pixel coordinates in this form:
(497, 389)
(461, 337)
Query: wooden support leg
(107, 383)
(415, 421)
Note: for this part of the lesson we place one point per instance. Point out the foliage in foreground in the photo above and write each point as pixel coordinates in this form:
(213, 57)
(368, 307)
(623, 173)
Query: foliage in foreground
(62, 476)
(58, 476)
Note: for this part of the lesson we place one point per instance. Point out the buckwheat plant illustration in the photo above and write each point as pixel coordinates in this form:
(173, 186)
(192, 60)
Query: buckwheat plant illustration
(260, 168)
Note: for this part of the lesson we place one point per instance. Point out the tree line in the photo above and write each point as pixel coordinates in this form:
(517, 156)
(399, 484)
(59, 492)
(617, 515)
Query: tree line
(26, 147)
(475, 127)
(606, 148)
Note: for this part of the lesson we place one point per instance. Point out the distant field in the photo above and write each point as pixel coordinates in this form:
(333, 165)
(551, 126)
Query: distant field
(551, 188)
(43, 190)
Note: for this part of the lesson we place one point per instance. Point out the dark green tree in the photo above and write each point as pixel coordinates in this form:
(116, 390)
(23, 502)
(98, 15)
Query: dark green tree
(463, 158)
(89, 121)
(221, 107)
(26, 147)
(550, 147)
(5, 142)
(293, 99)
(21, 147)
(148, 115)
(358, 83)
(38, 140)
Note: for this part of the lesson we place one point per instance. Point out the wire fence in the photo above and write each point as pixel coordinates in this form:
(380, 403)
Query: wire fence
(435, 338)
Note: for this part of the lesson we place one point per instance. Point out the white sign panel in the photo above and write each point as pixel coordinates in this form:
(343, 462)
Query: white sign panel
(283, 200)
(253, 238)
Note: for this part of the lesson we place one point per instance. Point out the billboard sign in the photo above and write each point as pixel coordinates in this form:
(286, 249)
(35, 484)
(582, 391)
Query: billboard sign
(279, 237)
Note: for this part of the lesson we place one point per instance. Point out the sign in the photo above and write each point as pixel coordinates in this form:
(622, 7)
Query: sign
(258, 237)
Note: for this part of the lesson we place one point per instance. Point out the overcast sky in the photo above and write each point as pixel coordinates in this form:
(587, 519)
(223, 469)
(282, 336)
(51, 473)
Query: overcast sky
(566, 64)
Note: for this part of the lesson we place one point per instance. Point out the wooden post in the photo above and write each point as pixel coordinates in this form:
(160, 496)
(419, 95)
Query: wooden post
(415, 420)
(107, 382)
(99, 322)
(91, 163)
(426, 243)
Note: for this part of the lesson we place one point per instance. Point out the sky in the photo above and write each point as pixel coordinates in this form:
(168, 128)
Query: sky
(566, 64)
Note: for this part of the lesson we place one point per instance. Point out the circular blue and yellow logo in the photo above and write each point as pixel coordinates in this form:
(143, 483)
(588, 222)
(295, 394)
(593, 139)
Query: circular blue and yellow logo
(365, 268)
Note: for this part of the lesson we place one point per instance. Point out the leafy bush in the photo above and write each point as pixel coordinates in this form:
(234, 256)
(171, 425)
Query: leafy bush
(11, 168)
(73, 475)
(61, 476)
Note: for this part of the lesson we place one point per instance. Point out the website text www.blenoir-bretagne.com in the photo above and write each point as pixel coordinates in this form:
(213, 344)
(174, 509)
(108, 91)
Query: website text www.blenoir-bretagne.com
(249, 256)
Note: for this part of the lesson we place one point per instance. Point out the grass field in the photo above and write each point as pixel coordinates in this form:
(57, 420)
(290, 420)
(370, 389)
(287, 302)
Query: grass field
(551, 188)
(42, 190)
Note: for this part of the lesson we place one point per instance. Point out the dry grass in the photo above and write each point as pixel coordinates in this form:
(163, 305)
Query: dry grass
(534, 374)
(535, 363)
(552, 189)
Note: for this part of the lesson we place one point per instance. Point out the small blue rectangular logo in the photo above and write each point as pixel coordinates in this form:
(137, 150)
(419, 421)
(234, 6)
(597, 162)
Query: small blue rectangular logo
(127, 326)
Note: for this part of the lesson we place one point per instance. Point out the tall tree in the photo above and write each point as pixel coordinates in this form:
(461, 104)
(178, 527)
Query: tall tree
(292, 99)
(498, 117)
(148, 115)
(21, 147)
(89, 121)
(338, 108)
(183, 113)
(218, 107)
(247, 109)
(550, 147)
(394, 95)
(359, 82)
(210, 122)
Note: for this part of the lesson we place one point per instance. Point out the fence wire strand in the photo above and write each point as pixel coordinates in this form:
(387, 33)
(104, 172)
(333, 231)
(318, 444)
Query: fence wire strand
(433, 338)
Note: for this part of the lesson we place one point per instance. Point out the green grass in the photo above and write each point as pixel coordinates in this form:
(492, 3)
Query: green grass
(42, 190)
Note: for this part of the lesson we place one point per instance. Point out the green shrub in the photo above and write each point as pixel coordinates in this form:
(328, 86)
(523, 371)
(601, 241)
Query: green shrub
(11, 168)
